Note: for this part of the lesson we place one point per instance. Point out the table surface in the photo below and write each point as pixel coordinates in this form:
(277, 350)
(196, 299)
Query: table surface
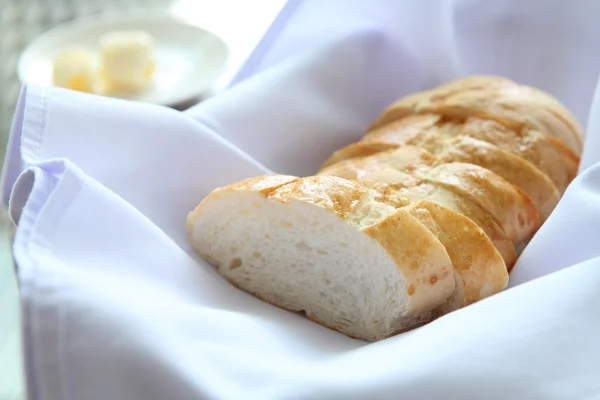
(240, 23)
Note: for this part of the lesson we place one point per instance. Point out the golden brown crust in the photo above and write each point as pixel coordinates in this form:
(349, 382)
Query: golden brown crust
(399, 189)
(473, 256)
(334, 194)
(408, 129)
(430, 131)
(560, 112)
(548, 154)
(500, 99)
(467, 207)
(439, 140)
(514, 169)
(263, 184)
(510, 206)
(353, 170)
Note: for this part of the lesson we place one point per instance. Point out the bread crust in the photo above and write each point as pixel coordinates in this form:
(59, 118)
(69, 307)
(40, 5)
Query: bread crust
(489, 97)
(513, 209)
(466, 149)
(546, 153)
(512, 168)
(479, 266)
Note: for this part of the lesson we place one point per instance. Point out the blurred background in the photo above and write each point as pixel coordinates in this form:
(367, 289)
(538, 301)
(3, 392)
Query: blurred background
(240, 24)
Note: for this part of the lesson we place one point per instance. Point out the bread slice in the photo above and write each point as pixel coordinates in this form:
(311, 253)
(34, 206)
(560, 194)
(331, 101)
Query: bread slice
(409, 166)
(510, 206)
(546, 153)
(513, 168)
(324, 246)
(465, 206)
(410, 130)
(513, 105)
(400, 189)
(479, 269)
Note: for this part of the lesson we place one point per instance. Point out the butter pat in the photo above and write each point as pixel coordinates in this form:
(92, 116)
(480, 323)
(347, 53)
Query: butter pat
(75, 68)
(127, 60)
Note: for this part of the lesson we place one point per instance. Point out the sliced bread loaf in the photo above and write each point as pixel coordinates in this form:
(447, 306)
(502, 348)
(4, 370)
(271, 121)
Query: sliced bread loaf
(324, 246)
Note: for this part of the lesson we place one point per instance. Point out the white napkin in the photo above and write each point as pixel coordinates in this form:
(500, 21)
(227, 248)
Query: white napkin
(117, 306)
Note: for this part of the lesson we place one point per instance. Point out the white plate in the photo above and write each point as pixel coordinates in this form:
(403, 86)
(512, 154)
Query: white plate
(189, 59)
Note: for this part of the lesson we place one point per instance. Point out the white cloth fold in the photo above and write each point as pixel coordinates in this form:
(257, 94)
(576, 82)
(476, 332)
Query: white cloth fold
(117, 306)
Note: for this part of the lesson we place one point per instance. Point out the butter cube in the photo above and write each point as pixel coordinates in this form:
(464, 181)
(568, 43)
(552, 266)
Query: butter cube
(127, 60)
(74, 68)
